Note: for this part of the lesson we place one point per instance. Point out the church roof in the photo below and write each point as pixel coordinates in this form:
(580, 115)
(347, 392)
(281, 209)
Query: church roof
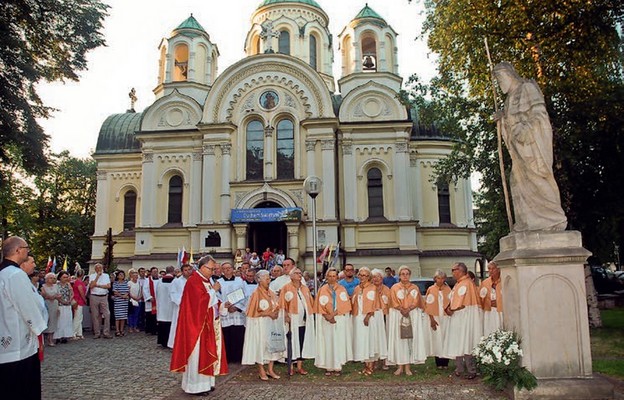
(308, 2)
(368, 13)
(191, 23)
(117, 134)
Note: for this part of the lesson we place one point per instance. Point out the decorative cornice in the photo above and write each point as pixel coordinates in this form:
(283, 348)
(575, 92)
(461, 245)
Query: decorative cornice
(327, 144)
(226, 149)
(310, 145)
(209, 149)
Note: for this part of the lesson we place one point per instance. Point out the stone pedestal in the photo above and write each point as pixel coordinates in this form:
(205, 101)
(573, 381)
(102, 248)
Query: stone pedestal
(545, 302)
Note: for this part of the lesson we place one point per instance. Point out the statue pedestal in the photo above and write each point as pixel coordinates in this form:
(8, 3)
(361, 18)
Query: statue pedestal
(545, 302)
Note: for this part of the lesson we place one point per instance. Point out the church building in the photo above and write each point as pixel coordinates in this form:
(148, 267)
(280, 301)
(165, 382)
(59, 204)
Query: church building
(217, 162)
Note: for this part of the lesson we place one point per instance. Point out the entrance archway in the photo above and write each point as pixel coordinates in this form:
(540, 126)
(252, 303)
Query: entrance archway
(261, 235)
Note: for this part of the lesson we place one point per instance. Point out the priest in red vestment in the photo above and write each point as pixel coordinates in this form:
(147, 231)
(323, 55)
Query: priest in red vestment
(199, 351)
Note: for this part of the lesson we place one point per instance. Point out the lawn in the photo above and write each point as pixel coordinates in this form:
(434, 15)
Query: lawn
(607, 344)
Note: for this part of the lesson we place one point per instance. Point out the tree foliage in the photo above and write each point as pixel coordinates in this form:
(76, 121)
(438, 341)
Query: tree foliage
(573, 50)
(53, 211)
(39, 40)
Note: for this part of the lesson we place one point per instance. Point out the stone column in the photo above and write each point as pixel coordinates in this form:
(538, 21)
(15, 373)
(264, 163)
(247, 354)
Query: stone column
(358, 57)
(101, 204)
(418, 198)
(196, 189)
(208, 202)
(544, 300)
(241, 235)
(402, 196)
(149, 194)
(268, 153)
(293, 240)
(328, 195)
(225, 182)
(350, 182)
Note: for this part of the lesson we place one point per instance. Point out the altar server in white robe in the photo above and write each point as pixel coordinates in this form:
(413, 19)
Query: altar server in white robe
(334, 330)
(232, 314)
(262, 314)
(175, 293)
(164, 306)
(406, 309)
(296, 302)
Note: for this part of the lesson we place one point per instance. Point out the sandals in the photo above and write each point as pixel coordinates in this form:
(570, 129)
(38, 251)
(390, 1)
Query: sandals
(328, 373)
(302, 371)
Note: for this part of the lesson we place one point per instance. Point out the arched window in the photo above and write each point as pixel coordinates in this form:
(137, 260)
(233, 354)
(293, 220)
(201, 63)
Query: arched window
(284, 42)
(181, 55)
(129, 216)
(255, 150)
(313, 60)
(444, 202)
(174, 214)
(255, 49)
(369, 54)
(375, 193)
(285, 149)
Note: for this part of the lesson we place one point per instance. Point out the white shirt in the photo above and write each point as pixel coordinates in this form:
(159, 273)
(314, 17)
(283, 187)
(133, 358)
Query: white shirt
(21, 319)
(236, 318)
(104, 280)
(164, 305)
(176, 290)
(147, 296)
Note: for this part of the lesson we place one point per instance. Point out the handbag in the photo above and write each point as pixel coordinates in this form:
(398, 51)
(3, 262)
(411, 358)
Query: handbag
(406, 328)
(277, 342)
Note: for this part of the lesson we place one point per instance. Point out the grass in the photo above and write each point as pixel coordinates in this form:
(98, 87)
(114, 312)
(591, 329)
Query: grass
(350, 373)
(607, 344)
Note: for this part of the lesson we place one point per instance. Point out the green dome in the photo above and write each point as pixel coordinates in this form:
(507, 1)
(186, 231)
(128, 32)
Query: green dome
(368, 13)
(308, 2)
(191, 23)
(117, 134)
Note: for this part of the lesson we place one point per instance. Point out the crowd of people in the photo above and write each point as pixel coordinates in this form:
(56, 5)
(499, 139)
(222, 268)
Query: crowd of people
(212, 314)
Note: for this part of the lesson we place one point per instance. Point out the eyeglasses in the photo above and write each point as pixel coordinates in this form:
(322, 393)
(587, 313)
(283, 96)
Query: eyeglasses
(364, 275)
(24, 247)
(454, 269)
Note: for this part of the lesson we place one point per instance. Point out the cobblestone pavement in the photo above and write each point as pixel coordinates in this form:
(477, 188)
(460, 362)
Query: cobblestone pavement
(134, 367)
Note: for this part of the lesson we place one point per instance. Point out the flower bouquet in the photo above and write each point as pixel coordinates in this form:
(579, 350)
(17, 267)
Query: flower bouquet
(498, 359)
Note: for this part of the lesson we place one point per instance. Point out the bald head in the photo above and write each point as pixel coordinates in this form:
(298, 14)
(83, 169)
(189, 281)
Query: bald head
(15, 249)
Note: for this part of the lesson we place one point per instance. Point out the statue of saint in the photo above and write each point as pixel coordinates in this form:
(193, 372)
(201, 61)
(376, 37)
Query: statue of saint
(527, 133)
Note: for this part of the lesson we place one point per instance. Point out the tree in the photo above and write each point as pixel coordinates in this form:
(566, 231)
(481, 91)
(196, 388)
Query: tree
(573, 50)
(39, 40)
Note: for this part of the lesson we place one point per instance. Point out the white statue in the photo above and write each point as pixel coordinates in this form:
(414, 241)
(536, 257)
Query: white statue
(267, 34)
(528, 135)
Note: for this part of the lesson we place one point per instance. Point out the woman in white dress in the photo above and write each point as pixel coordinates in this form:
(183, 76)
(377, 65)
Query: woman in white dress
(379, 324)
(334, 346)
(407, 310)
(262, 314)
(436, 301)
(364, 303)
(65, 325)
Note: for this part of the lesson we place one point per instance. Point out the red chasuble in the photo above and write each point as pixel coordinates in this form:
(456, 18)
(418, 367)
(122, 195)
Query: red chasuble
(196, 321)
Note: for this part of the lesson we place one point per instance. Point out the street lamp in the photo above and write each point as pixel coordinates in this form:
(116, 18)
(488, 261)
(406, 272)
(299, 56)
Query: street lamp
(312, 185)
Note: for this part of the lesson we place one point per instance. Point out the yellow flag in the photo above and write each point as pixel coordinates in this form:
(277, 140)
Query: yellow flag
(65, 265)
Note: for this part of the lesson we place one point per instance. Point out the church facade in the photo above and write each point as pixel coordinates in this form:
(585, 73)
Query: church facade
(217, 162)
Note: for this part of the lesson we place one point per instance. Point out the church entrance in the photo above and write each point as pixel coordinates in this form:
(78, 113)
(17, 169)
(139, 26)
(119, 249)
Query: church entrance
(261, 235)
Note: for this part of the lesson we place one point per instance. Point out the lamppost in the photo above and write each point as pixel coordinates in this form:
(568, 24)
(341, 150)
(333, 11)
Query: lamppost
(312, 185)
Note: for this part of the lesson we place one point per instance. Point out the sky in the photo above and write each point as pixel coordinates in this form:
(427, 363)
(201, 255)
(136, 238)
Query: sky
(134, 28)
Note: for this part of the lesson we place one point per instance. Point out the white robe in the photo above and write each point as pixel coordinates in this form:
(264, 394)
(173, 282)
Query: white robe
(164, 305)
(309, 341)
(175, 293)
(255, 348)
(464, 332)
(436, 342)
(407, 351)
(364, 337)
(333, 342)
(380, 331)
(492, 321)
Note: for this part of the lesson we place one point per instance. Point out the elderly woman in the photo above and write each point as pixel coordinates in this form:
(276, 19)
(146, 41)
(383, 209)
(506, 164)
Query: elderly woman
(65, 325)
(406, 319)
(333, 326)
(136, 296)
(50, 293)
(121, 295)
(436, 301)
(296, 301)
(364, 303)
(379, 323)
(262, 313)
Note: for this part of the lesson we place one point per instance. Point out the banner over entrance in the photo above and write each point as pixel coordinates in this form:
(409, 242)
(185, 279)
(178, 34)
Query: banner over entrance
(266, 214)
